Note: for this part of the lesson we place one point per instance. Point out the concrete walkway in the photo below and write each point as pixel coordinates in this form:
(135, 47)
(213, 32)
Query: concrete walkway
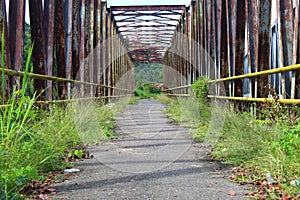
(154, 158)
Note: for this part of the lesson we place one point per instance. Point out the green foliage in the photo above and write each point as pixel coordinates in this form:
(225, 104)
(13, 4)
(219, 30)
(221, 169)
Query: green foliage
(133, 100)
(290, 141)
(261, 145)
(147, 91)
(200, 88)
(164, 99)
(148, 73)
(35, 141)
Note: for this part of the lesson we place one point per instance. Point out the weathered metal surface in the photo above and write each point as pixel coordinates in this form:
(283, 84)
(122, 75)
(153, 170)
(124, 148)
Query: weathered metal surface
(91, 67)
(286, 11)
(97, 43)
(231, 35)
(264, 46)
(231, 38)
(148, 8)
(16, 20)
(82, 46)
(60, 47)
(6, 38)
(239, 46)
(295, 45)
(49, 8)
(75, 38)
(104, 46)
(218, 28)
(148, 27)
(253, 19)
(37, 36)
(68, 61)
(296, 51)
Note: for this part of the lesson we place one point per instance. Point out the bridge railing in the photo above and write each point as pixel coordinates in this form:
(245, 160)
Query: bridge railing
(80, 96)
(251, 47)
(241, 77)
(74, 42)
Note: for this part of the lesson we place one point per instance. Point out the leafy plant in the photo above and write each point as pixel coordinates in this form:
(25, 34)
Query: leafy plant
(257, 145)
(201, 89)
(290, 141)
(147, 91)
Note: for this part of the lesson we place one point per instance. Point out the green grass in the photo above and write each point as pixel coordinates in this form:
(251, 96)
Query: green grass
(257, 144)
(35, 141)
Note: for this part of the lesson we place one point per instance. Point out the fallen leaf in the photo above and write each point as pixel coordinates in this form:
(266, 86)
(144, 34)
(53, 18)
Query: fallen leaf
(43, 196)
(232, 193)
(286, 197)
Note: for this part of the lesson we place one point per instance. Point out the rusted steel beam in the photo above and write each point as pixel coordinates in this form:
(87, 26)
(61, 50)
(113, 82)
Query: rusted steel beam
(82, 46)
(75, 38)
(207, 34)
(296, 52)
(97, 43)
(218, 32)
(68, 61)
(104, 44)
(161, 17)
(202, 28)
(134, 15)
(109, 44)
(49, 8)
(113, 56)
(60, 46)
(91, 17)
(239, 46)
(286, 11)
(264, 46)
(16, 19)
(2, 10)
(6, 39)
(37, 37)
(134, 26)
(224, 50)
(6, 62)
(231, 34)
(253, 19)
(147, 8)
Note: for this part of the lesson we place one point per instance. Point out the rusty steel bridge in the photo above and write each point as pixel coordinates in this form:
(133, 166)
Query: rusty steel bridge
(246, 47)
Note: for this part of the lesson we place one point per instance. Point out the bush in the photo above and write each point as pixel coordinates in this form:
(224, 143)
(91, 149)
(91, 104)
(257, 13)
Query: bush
(147, 91)
(200, 88)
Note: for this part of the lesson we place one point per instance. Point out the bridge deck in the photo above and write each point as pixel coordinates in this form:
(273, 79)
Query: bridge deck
(153, 159)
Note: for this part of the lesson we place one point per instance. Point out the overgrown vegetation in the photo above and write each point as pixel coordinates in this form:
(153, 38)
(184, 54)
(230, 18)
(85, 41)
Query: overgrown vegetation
(35, 141)
(266, 143)
(147, 73)
(147, 91)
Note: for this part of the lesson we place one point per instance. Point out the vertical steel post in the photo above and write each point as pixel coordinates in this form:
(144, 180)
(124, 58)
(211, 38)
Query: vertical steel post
(97, 43)
(60, 45)
(49, 7)
(37, 36)
(75, 38)
(264, 46)
(68, 71)
(104, 45)
(81, 49)
(109, 44)
(16, 19)
(91, 67)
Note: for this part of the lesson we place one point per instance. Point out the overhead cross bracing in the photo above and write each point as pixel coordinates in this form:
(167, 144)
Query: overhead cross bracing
(147, 31)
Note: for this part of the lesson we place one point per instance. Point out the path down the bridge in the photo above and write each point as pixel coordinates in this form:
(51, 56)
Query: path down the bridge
(153, 158)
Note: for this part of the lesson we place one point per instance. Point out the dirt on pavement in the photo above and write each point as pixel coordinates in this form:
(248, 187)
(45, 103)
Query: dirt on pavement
(153, 158)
